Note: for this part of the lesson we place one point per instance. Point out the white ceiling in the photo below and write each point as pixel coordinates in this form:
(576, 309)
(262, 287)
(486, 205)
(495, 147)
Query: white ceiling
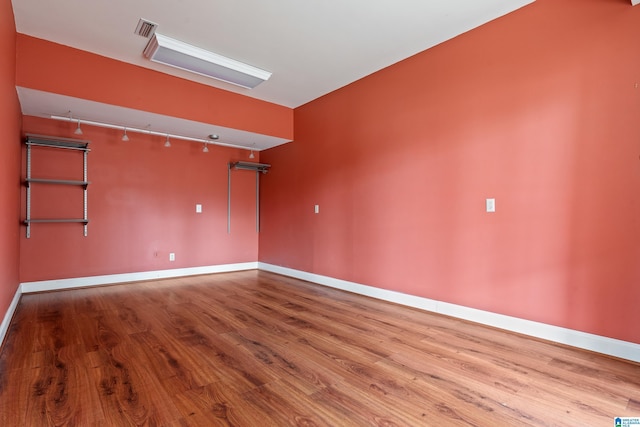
(312, 47)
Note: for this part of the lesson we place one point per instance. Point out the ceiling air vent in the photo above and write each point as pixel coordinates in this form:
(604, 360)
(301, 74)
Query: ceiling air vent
(145, 28)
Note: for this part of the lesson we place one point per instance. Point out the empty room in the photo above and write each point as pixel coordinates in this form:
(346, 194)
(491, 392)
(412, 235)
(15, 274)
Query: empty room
(311, 213)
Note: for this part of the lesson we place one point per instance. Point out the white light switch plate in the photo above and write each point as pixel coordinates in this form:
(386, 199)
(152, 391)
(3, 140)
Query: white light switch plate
(491, 205)
(198, 208)
(172, 256)
(316, 209)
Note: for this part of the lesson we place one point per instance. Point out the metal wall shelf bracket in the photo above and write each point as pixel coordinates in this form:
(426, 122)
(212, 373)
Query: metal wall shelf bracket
(61, 143)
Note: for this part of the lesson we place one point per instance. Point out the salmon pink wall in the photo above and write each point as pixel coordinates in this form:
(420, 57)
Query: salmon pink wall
(541, 111)
(9, 159)
(81, 74)
(141, 206)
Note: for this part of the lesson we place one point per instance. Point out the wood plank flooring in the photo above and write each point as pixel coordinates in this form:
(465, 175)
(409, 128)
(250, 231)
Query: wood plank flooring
(258, 349)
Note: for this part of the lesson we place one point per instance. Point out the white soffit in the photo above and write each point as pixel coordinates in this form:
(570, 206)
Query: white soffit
(312, 47)
(45, 104)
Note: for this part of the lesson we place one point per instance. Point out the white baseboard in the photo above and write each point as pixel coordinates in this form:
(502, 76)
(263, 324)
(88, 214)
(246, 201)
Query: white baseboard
(4, 327)
(597, 343)
(81, 282)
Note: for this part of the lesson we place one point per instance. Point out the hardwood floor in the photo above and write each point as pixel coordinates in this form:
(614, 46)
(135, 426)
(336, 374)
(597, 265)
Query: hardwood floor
(258, 349)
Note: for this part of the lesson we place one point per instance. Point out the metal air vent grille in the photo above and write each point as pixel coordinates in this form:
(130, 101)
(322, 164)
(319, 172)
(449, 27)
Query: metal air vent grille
(145, 28)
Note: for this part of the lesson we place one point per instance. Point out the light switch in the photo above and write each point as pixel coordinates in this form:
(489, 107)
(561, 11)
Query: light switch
(491, 205)
(198, 208)
(316, 209)
(172, 256)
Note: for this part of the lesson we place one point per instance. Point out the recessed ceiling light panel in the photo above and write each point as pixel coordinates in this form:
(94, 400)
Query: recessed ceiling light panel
(168, 51)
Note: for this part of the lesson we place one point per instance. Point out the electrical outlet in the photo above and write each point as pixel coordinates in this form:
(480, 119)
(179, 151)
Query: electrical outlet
(172, 256)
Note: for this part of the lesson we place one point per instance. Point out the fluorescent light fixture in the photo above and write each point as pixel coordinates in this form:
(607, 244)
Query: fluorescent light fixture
(168, 51)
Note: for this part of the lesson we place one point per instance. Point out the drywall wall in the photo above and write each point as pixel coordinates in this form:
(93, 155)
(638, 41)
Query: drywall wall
(540, 110)
(141, 206)
(142, 196)
(9, 159)
(52, 67)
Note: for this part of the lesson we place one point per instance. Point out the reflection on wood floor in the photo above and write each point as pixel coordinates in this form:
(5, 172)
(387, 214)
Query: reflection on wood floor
(257, 349)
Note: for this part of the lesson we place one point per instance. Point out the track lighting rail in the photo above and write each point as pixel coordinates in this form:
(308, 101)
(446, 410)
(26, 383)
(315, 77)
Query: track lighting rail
(128, 129)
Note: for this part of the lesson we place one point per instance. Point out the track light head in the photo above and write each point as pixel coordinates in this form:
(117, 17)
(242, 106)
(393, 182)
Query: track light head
(125, 137)
(167, 143)
(78, 131)
(205, 149)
